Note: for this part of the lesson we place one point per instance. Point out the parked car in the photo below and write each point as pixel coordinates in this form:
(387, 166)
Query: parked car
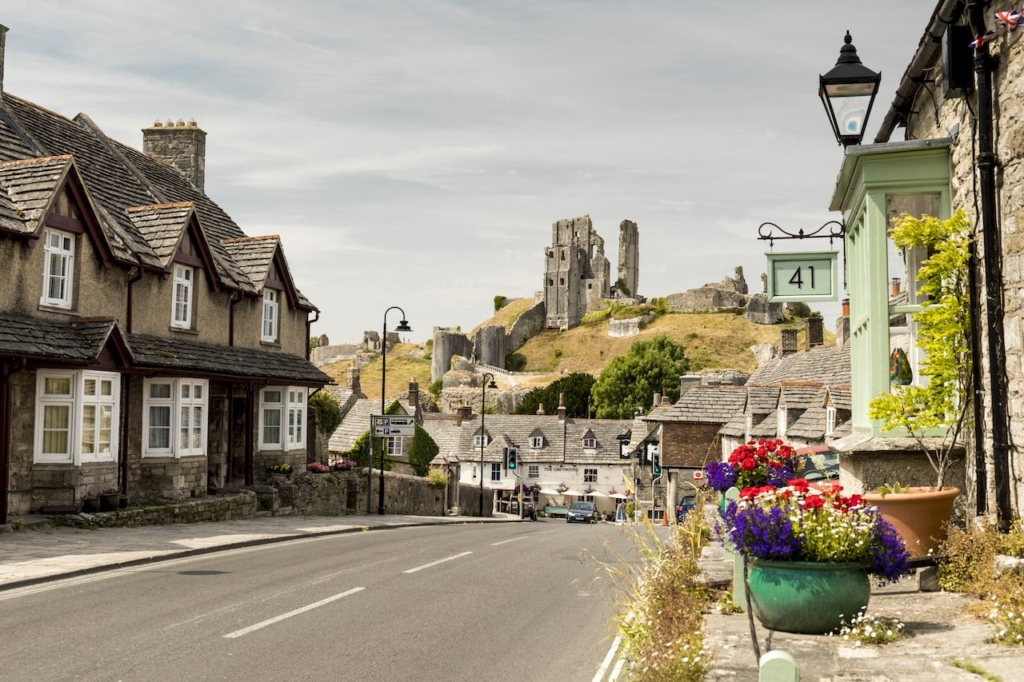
(821, 463)
(584, 512)
(687, 503)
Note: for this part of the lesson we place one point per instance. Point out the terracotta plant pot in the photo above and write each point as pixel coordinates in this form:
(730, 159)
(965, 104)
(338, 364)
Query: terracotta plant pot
(920, 515)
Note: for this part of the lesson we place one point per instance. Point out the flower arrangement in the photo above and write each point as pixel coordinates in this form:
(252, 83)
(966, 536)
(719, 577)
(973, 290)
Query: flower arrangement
(562, 487)
(344, 465)
(317, 468)
(796, 523)
(283, 468)
(589, 490)
(766, 462)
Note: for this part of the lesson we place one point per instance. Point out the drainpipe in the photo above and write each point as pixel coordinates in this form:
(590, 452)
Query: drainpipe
(128, 313)
(309, 323)
(126, 396)
(231, 316)
(250, 474)
(987, 161)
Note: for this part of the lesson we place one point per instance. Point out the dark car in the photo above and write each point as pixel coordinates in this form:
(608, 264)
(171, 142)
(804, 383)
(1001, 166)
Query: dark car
(583, 512)
(821, 463)
(686, 504)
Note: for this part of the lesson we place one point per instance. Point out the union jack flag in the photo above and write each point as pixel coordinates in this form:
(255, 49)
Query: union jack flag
(981, 40)
(1008, 19)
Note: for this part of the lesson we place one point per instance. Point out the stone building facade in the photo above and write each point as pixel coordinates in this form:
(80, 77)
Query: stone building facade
(147, 344)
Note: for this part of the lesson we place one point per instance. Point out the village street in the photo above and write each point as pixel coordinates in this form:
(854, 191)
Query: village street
(453, 602)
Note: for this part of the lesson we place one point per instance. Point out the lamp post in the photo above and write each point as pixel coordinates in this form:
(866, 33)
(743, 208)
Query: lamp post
(403, 326)
(848, 91)
(483, 435)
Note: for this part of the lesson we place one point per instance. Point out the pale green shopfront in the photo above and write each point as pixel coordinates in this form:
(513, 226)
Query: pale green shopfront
(877, 183)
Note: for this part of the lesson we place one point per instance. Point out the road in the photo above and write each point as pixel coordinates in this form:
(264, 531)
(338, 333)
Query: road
(469, 602)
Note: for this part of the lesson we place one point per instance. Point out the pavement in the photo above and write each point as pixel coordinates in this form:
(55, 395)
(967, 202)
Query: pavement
(41, 551)
(940, 631)
(939, 627)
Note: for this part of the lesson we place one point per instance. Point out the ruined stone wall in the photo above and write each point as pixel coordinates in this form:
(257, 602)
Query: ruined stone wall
(490, 345)
(447, 344)
(629, 257)
(325, 355)
(524, 328)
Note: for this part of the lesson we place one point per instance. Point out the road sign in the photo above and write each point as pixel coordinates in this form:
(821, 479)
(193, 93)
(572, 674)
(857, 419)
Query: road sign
(388, 421)
(394, 431)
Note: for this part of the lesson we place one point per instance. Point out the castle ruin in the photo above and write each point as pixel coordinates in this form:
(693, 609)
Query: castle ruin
(577, 274)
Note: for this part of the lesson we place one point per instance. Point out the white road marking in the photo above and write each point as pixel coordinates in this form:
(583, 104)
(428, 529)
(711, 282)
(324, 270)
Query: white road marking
(495, 544)
(609, 657)
(435, 563)
(616, 670)
(283, 616)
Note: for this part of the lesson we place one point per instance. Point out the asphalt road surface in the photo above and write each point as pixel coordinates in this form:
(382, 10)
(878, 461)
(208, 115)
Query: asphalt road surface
(467, 602)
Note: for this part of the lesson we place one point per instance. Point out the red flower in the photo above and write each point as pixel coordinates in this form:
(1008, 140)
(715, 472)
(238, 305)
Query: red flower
(813, 502)
(799, 484)
(749, 464)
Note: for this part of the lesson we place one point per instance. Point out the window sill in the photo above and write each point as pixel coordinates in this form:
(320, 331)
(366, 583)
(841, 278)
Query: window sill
(57, 309)
(270, 344)
(183, 330)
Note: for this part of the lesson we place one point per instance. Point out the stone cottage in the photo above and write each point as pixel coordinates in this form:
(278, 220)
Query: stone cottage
(147, 344)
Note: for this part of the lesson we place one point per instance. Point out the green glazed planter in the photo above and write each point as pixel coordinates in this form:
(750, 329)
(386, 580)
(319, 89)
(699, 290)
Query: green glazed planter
(806, 597)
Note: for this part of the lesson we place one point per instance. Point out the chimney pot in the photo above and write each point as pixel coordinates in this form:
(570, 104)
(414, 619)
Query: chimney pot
(540, 408)
(788, 342)
(181, 146)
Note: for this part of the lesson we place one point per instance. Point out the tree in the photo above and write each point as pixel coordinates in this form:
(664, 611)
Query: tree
(422, 451)
(326, 411)
(944, 333)
(629, 381)
(575, 386)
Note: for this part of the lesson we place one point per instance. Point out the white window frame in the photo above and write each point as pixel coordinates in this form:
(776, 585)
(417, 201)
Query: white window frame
(58, 247)
(269, 327)
(291, 415)
(495, 471)
(533, 471)
(395, 446)
(185, 394)
(590, 443)
(181, 296)
(590, 475)
(536, 442)
(478, 439)
(75, 400)
(830, 420)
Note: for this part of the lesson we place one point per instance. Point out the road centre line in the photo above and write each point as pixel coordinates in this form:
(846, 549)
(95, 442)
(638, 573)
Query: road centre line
(495, 544)
(435, 563)
(283, 616)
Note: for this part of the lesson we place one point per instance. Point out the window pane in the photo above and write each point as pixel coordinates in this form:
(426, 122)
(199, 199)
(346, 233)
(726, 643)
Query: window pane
(272, 397)
(159, 390)
(56, 422)
(184, 441)
(89, 429)
(197, 428)
(106, 387)
(272, 426)
(57, 386)
(185, 390)
(160, 426)
(106, 422)
(89, 387)
(197, 391)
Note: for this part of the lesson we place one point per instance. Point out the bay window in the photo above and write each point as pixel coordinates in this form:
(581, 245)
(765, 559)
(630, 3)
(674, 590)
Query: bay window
(282, 418)
(77, 416)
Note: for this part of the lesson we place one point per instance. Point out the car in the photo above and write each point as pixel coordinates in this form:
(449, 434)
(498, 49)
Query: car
(686, 504)
(821, 463)
(584, 512)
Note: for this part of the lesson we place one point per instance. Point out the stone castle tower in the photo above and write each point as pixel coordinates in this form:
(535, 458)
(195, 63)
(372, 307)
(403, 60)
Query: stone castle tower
(577, 274)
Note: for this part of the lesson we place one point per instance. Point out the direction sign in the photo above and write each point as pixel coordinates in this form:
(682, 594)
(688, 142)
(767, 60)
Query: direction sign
(394, 431)
(388, 421)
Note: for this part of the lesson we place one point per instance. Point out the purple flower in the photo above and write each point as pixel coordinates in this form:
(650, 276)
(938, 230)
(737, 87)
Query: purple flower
(889, 556)
(721, 476)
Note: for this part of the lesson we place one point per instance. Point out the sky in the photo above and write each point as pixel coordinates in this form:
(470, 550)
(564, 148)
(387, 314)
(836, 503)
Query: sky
(416, 154)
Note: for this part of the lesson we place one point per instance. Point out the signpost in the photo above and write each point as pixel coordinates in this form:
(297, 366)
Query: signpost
(804, 276)
(394, 426)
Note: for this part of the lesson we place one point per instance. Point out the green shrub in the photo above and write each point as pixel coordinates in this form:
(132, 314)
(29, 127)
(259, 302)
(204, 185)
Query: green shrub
(438, 478)
(499, 302)
(515, 362)
(435, 388)
(422, 451)
(326, 412)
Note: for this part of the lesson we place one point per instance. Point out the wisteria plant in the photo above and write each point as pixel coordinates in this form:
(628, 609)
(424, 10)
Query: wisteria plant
(797, 523)
(760, 463)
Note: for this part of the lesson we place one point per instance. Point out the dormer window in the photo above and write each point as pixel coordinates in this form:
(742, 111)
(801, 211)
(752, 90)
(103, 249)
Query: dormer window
(536, 442)
(270, 316)
(481, 440)
(58, 269)
(830, 420)
(181, 309)
(590, 442)
(782, 423)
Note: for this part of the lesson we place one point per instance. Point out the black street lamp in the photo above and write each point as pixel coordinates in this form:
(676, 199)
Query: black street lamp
(483, 435)
(848, 91)
(403, 326)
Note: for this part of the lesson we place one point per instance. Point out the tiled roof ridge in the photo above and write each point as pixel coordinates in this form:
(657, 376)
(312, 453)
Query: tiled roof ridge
(40, 160)
(801, 383)
(89, 125)
(238, 240)
(173, 204)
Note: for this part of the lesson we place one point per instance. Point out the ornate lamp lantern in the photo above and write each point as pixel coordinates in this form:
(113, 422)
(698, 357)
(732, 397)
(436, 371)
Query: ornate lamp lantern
(848, 91)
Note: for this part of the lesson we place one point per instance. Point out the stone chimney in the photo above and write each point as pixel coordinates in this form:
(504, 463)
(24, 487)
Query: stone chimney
(787, 342)
(540, 408)
(561, 407)
(664, 399)
(656, 400)
(414, 393)
(182, 145)
(462, 414)
(3, 43)
(815, 331)
(352, 377)
(686, 382)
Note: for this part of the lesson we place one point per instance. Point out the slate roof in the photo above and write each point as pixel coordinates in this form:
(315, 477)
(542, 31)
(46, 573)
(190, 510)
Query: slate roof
(802, 396)
(563, 442)
(705, 405)
(354, 423)
(75, 342)
(735, 427)
(810, 425)
(825, 365)
(767, 427)
(26, 189)
(162, 226)
(762, 399)
(216, 360)
(118, 178)
(840, 397)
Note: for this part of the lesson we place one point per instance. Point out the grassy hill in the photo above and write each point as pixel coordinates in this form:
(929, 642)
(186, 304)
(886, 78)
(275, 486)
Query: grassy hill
(405, 360)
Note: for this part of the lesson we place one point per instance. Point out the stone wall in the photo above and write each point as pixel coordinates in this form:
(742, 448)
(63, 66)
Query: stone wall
(489, 345)
(524, 328)
(325, 355)
(760, 311)
(447, 344)
(629, 327)
(629, 257)
(241, 505)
